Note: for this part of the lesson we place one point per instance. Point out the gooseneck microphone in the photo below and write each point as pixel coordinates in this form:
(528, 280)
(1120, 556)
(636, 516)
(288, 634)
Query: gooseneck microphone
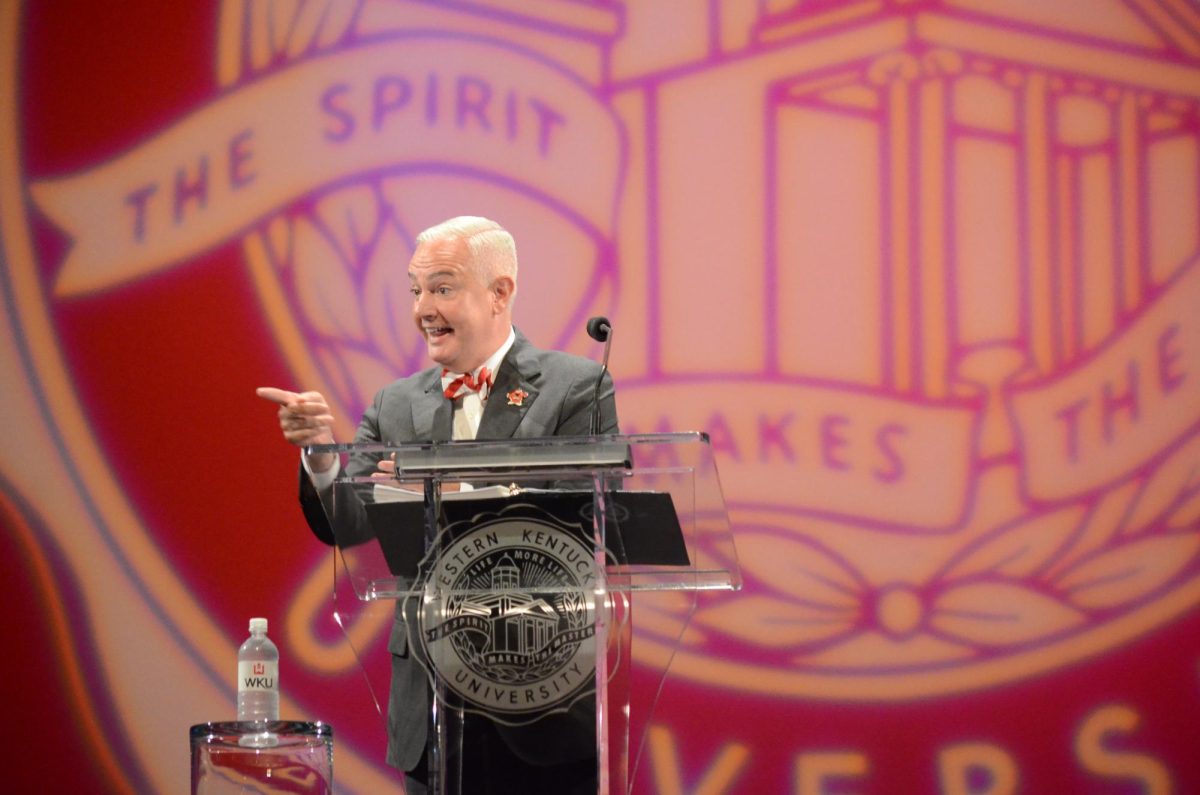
(599, 329)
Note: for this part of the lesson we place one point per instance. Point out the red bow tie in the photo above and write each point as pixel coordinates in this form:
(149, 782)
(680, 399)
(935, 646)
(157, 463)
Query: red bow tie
(454, 384)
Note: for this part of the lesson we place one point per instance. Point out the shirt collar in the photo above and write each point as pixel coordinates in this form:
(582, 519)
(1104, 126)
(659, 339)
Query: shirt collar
(493, 361)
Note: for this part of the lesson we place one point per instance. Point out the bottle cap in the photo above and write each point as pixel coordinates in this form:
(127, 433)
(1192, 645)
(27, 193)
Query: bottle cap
(258, 624)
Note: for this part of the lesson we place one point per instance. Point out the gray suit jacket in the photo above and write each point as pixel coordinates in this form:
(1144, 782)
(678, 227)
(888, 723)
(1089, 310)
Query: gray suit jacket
(560, 391)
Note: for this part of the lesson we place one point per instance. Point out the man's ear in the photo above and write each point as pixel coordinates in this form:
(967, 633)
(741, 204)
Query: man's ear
(503, 289)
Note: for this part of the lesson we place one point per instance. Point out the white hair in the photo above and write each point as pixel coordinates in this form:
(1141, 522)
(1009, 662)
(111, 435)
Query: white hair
(492, 249)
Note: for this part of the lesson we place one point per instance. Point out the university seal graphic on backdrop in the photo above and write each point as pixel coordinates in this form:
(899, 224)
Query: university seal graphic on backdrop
(507, 615)
(956, 457)
(959, 451)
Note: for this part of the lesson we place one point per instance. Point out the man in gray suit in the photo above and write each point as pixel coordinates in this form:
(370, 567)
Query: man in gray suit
(489, 382)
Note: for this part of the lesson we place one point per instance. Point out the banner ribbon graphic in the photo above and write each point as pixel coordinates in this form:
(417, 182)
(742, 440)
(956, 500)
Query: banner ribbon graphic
(394, 106)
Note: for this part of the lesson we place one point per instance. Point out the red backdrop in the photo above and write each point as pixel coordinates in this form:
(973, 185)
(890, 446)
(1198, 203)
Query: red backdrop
(925, 271)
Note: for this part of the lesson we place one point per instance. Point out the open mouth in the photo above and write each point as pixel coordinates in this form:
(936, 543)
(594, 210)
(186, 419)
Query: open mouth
(437, 332)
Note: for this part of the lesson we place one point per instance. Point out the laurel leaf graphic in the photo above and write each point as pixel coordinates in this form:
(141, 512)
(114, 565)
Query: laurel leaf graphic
(1128, 571)
(351, 218)
(324, 285)
(387, 303)
(320, 25)
(1099, 526)
(338, 21)
(354, 376)
(303, 27)
(338, 382)
(281, 20)
(802, 571)
(775, 623)
(870, 650)
(1000, 614)
(1019, 550)
(1186, 514)
(259, 34)
(1164, 487)
(714, 544)
(278, 238)
(287, 29)
(663, 613)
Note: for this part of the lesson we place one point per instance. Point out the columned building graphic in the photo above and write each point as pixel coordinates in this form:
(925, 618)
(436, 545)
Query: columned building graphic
(519, 622)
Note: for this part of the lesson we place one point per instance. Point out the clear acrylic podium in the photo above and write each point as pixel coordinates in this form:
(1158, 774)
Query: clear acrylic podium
(511, 567)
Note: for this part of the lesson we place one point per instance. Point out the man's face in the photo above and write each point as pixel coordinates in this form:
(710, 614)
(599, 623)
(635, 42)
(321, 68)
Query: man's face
(463, 320)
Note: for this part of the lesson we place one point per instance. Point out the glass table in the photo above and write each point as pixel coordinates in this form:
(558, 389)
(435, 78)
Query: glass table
(262, 757)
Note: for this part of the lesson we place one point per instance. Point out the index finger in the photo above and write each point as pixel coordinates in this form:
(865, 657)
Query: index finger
(275, 395)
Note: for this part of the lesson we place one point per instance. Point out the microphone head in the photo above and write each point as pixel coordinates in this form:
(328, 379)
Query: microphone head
(598, 328)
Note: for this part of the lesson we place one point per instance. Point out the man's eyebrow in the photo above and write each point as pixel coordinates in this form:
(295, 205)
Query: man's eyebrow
(414, 277)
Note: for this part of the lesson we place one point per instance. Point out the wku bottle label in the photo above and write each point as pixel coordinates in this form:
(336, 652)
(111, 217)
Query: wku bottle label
(258, 675)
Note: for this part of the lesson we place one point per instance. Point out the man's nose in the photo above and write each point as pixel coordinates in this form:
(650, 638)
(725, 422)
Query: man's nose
(424, 304)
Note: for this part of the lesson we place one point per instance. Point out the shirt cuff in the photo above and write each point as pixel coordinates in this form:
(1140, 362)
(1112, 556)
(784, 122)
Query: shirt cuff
(322, 480)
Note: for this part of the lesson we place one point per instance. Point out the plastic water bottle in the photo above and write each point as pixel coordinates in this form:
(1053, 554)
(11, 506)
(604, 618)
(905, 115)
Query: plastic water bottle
(258, 682)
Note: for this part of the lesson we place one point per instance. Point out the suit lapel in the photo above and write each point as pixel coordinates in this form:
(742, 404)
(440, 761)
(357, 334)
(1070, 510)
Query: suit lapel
(433, 415)
(518, 373)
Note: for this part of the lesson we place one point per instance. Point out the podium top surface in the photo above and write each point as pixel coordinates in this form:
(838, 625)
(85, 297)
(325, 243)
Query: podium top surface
(534, 454)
